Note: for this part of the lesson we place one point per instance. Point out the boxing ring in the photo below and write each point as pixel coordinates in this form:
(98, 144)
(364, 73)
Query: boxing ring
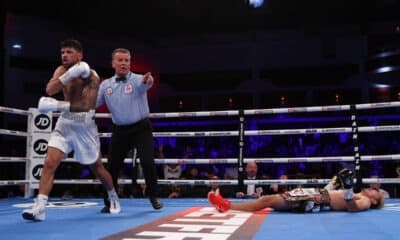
(193, 218)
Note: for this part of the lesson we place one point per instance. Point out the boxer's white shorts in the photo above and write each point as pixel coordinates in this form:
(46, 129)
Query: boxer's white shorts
(78, 134)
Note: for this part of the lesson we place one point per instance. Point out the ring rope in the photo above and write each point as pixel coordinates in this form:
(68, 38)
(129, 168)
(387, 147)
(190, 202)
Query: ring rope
(386, 157)
(247, 132)
(175, 160)
(13, 182)
(14, 110)
(271, 132)
(13, 133)
(211, 182)
(195, 114)
(317, 181)
(196, 161)
(236, 112)
(14, 159)
(142, 181)
(324, 159)
(266, 111)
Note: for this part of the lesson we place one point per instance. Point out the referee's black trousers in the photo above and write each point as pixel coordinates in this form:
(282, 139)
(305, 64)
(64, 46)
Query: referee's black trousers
(124, 138)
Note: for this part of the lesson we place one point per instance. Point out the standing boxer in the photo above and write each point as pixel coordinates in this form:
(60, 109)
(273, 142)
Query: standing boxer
(75, 130)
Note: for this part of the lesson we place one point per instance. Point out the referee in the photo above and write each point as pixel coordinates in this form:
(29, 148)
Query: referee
(125, 95)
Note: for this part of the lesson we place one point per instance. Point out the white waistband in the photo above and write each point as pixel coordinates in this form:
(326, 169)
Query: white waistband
(79, 117)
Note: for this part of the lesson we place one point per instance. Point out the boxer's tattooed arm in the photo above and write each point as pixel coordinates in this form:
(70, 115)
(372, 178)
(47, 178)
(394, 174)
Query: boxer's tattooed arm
(89, 95)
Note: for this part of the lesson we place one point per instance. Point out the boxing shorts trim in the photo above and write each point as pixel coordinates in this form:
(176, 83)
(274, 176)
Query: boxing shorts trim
(307, 199)
(79, 117)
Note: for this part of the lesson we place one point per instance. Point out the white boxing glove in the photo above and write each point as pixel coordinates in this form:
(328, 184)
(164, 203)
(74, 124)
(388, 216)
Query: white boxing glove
(49, 104)
(80, 69)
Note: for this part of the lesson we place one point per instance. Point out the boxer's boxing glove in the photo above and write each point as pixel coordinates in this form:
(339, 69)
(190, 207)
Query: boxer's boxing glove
(49, 104)
(346, 177)
(80, 69)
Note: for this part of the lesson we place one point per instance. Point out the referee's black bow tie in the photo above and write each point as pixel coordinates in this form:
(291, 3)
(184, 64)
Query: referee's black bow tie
(118, 79)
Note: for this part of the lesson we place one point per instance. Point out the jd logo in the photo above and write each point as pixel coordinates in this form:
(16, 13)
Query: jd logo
(37, 171)
(42, 121)
(40, 146)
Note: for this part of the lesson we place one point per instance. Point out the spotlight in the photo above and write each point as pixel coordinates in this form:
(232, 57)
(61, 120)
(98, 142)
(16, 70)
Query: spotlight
(256, 3)
(17, 46)
(384, 62)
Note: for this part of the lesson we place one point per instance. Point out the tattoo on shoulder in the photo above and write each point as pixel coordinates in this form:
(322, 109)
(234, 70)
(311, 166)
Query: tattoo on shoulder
(93, 81)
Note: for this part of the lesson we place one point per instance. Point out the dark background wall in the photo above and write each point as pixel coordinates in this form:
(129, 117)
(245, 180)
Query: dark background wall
(211, 55)
(308, 52)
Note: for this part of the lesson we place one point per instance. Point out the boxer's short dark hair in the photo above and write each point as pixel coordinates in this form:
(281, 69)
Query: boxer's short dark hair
(72, 43)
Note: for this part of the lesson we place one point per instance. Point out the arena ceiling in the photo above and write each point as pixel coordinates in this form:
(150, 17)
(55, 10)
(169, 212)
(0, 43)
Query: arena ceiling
(158, 18)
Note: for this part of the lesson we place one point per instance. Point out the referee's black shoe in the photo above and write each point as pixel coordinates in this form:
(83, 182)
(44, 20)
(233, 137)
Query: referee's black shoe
(105, 209)
(156, 203)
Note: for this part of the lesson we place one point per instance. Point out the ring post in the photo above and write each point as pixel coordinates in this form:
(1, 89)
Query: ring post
(357, 158)
(39, 130)
(241, 146)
